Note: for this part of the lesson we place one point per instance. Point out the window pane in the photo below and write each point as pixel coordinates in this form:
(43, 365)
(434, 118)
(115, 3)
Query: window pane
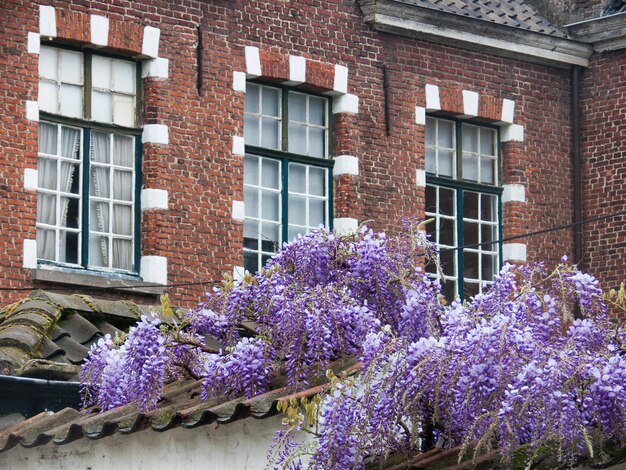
(317, 212)
(269, 205)
(297, 210)
(123, 185)
(251, 202)
(69, 178)
(488, 207)
(431, 163)
(270, 133)
(251, 130)
(447, 235)
(48, 65)
(297, 138)
(449, 290)
(123, 110)
(122, 220)
(448, 262)
(488, 233)
(317, 142)
(99, 216)
(70, 213)
(470, 170)
(446, 163)
(470, 265)
(71, 101)
(250, 234)
(251, 104)
(47, 173)
(100, 147)
(46, 244)
(98, 251)
(297, 107)
(99, 184)
(101, 72)
(269, 236)
(270, 101)
(470, 233)
(487, 170)
(431, 132)
(293, 232)
(71, 67)
(122, 254)
(123, 151)
(470, 139)
(250, 262)
(124, 76)
(46, 209)
(48, 97)
(101, 107)
(70, 142)
(317, 181)
(47, 138)
(270, 173)
(470, 289)
(487, 141)
(447, 201)
(470, 205)
(68, 247)
(445, 137)
(317, 111)
(297, 178)
(251, 170)
(488, 267)
(431, 199)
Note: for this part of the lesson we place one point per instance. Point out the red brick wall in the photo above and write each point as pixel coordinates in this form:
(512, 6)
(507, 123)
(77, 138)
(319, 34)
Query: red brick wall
(197, 233)
(603, 121)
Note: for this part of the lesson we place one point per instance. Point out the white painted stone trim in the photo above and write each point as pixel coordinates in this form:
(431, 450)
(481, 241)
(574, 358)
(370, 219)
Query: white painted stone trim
(346, 104)
(239, 273)
(346, 165)
(512, 132)
(156, 68)
(420, 177)
(513, 193)
(99, 27)
(32, 110)
(239, 81)
(340, 82)
(34, 41)
(345, 225)
(155, 134)
(47, 21)
(239, 145)
(470, 103)
(513, 252)
(29, 254)
(420, 115)
(253, 61)
(31, 179)
(508, 111)
(432, 98)
(154, 199)
(239, 211)
(297, 70)
(150, 44)
(154, 269)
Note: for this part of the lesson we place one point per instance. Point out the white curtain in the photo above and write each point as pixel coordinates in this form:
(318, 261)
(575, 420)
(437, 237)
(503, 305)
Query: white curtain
(123, 155)
(70, 144)
(100, 153)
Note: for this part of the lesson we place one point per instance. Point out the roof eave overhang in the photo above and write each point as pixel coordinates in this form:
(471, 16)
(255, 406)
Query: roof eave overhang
(606, 33)
(398, 17)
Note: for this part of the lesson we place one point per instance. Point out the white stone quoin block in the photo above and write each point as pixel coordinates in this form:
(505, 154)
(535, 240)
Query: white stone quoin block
(239, 210)
(513, 193)
(512, 132)
(253, 61)
(470, 103)
(297, 70)
(239, 81)
(31, 179)
(346, 165)
(432, 98)
(99, 30)
(508, 111)
(32, 111)
(34, 41)
(346, 104)
(420, 177)
(150, 44)
(420, 115)
(514, 252)
(29, 253)
(156, 68)
(345, 225)
(154, 199)
(238, 273)
(154, 269)
(155, 134)
(239, 145)
(340, 82)
(47, 21)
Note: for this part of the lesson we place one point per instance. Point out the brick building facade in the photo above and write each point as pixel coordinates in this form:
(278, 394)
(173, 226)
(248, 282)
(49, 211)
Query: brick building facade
(124, 159)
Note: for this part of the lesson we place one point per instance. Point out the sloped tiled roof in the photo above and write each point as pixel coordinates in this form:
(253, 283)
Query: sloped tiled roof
(514, 13)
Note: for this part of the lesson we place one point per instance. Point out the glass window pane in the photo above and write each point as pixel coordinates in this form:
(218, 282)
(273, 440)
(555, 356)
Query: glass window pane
(269, 205)
(297, 138)
(488, 267)
(270, 174)
(317, 181)
(470, 170)
(251, 130)
(293, 232)
(123, 153)
(68, 247)
(99, 183)
(122, 254)
(250, 261)
(47, 173)
(470, 265)
(251, 104)
(487, 170)
(48, 97)
(71, 101)
(487, 141)
(470, 205)
(447, 232)
(98, 251)
(47, 138)
(69, 178)
(470, 139)
(71, 67)
(48, 65)
(297, 107)
(448, 262)
(445, 137)
(100, 147)
(251, 202)
(270, 101)
(251, 170)
(269, 236)
(70, 142)
(123, 185)
(101, 107)
(488, 233)
(470, 289)
(122, 219)
(447, 201)
(431, 199)
(101, 72)
(317, 111)
(446, 162)
(270, 133)
(124, 76)
(124, 110)
(431, 132)
(488, 207)
(297, 178)
(470, 233)
(250, 234)
(431, 163)
(297, 210)
(317, 212)
(46, 209)
(449, 289)
(99, 216)
(317, 142)
(46, 241)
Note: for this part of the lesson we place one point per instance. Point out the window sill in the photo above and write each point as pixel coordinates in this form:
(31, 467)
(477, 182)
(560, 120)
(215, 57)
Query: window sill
(95, 280)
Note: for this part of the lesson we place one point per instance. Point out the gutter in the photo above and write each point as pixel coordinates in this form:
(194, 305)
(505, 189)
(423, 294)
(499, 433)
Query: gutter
(29, 397)
(577, 167)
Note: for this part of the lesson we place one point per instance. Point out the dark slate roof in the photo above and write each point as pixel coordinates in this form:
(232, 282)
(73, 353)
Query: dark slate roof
(48, 335)
(515, 13)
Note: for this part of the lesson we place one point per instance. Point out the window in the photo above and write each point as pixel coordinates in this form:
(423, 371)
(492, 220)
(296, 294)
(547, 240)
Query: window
(88, 165)
(463, 198)
(287, 182)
